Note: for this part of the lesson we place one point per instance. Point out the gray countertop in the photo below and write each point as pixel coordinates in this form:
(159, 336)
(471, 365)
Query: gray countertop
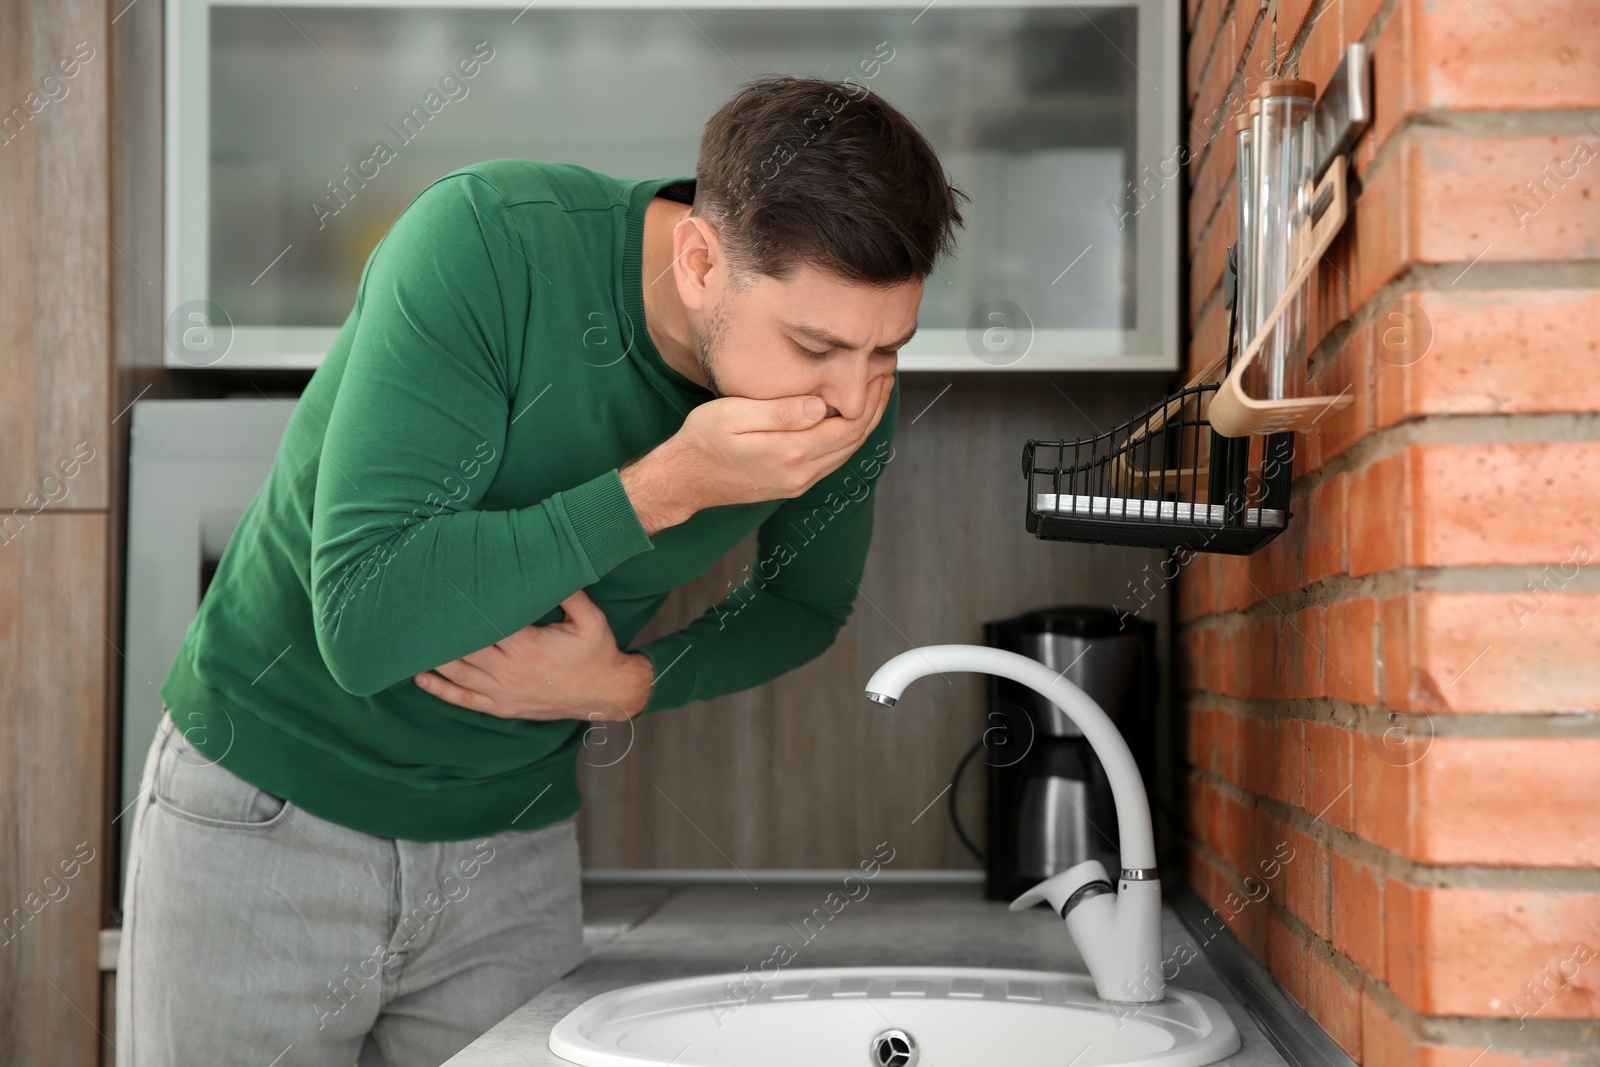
(648, 933)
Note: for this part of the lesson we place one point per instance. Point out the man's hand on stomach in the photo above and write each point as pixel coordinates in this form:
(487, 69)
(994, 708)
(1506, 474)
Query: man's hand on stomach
(571, 669)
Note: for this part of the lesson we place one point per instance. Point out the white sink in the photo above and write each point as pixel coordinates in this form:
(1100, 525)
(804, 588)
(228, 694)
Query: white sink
(843, 1017)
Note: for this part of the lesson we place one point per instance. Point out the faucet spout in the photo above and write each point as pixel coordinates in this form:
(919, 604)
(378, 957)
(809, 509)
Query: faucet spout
(1116, 926)
(889, 681)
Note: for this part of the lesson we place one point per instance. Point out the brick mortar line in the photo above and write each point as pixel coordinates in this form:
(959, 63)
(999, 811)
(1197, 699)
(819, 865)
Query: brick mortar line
(1439, 428)
(1302, 33)
(1450, 429)
(1403, 581)
(1418, 279)
(1332, 589)
(1541, 1035)
(1511, 123)
(1449, 579)
(1433, 124)
(1444, 428)
(1387, 585)
(1372, 719)
(1401, 867)
(1511, 274)
(1558, 1037)
(1341, 714)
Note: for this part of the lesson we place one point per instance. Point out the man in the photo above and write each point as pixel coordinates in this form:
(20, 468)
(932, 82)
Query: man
(559, 395)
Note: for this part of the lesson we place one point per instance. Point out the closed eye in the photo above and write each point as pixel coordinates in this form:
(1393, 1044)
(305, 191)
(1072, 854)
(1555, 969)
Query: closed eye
(807, 352)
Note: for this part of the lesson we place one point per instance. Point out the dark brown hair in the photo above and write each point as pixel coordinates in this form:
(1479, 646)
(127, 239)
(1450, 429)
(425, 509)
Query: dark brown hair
(798, 170)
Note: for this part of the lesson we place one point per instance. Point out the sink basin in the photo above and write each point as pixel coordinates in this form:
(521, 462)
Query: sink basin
(890, 1017)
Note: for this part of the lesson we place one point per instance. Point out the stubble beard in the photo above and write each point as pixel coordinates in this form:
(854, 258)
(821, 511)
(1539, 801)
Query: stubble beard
(709, 344)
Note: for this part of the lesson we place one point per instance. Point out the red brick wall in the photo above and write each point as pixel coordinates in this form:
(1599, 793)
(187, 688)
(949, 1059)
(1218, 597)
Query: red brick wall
(1402, 693)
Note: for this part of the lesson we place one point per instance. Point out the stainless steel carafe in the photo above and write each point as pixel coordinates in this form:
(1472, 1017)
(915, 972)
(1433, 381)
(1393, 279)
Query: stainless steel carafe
(1054, 830)
(1099, 663)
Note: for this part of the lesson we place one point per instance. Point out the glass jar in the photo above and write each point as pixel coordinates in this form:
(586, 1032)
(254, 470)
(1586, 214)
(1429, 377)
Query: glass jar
(1279, 134)
(1244, 244)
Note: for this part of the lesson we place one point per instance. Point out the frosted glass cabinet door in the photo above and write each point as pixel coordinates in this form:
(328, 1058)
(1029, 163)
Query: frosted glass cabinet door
(297, 132)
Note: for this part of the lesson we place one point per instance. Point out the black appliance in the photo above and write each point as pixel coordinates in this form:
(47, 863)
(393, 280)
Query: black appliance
(1049, 802)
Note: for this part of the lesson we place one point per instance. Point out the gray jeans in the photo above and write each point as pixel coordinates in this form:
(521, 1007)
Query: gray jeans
(254, 932)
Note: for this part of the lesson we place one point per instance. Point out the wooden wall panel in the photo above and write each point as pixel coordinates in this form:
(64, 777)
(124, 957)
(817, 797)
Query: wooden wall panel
(53, 660)
(54, 286)
(56, 478)
(805, 771)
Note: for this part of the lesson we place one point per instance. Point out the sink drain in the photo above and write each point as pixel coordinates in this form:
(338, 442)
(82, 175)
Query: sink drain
(894, 1048)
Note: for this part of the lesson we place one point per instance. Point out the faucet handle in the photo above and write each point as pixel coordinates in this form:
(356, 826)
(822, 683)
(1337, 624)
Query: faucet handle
(1068, 889)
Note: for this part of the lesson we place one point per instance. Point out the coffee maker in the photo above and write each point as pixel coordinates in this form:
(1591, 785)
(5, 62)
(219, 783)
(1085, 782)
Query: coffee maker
(1049, 800)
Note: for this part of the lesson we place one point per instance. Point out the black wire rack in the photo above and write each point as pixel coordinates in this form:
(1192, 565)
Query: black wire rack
(1164, 478)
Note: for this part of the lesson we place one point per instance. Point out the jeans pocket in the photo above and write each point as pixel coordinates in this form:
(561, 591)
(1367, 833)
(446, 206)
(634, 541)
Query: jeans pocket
(194, 788)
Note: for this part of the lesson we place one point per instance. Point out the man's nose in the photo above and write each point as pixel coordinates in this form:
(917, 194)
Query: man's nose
(849, 396)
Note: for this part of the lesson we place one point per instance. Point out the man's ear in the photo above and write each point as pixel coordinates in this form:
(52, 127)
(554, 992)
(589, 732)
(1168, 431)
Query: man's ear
(696, 259)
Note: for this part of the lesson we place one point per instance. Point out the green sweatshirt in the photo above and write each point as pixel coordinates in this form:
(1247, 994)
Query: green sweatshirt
(450, 475)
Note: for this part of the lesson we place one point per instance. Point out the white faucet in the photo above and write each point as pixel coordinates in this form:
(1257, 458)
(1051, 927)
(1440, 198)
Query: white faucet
(1117, 931)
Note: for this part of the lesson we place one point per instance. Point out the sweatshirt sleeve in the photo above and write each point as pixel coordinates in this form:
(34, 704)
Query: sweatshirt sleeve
(810, 554)
(405, 572)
